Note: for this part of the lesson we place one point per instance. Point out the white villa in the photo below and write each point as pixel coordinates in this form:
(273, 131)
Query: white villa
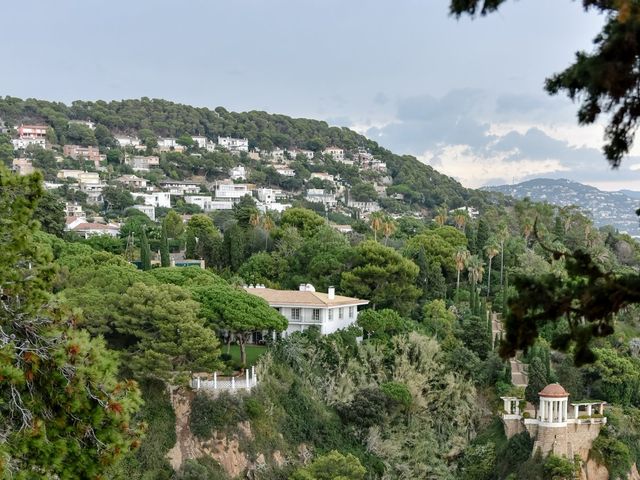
(157, 199)
(232, 192)
(336, 152)
(234, 144)
(238, 173)
(319, 195)
(306, 307)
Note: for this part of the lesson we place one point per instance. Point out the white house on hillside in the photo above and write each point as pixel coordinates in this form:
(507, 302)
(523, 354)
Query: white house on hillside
(234, 144)
(306, 307)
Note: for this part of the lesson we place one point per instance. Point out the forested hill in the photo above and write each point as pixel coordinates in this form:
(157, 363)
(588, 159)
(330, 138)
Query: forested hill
(419, 184)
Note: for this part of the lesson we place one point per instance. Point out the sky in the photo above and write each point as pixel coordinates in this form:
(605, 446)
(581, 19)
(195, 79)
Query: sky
(465, 96)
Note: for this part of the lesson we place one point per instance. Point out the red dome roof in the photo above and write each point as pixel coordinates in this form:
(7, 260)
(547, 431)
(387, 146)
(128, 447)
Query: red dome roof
(554, 390)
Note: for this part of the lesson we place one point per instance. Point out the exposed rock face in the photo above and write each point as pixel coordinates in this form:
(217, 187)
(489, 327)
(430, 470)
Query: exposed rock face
(593, 471)
(225, 450)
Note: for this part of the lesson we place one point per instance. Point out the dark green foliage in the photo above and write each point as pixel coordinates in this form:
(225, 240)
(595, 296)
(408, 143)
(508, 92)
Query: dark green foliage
(145, 251)
(164, 247)
(149, 462)
(538, 379)
(209, 414)
(612, 453)
(368, 408)
(473, 332)
(559, 468)
(202, 469)
(50, 214)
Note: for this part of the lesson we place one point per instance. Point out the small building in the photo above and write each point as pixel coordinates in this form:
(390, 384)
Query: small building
(305, 307)
(294, 152)
(23, 166)
(126, 141)
(234, 144)
(336, 152)
(87, 123)
(558, 426)
(202, 201)
(81, 227)
(176, 187)
(232, 192)
(157, 199)
(204, 143)
(324, 176)
(132, 182)
(22, 143)
(268, 195)
(364, 207)
(238, 173)
(32, 132)
(320, 195)
(73, 209)
(285, 171)
(470, 211)
(148, 210)
(89, 153)
(141, 163)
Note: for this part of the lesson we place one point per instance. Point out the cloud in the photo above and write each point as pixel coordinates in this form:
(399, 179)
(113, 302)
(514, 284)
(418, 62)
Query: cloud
(468, 135)
(381, 98)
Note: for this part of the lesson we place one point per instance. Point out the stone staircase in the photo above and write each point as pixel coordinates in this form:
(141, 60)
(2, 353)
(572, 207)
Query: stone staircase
(519, 375)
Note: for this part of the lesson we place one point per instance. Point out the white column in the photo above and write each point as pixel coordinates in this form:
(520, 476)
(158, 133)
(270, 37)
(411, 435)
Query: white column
(589, 409)
(565, 408)
(542, 402)
(576, 409)
(233, 383)
(197, 383)
(215, 380)
(507, 405)
(246, 378)
(601, 409)
(253, 374)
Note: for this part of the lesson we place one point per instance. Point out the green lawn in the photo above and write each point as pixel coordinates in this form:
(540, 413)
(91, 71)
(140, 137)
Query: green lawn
(253, 353)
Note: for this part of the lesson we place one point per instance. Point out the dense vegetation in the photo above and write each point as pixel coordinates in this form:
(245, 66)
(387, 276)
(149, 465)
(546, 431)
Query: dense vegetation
(416, 398)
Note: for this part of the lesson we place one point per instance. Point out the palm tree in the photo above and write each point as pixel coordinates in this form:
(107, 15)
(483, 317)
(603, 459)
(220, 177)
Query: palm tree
(376, 224)
(460, 258)
(475, 266)
(441, 215)
(460, 218)
(267, 226)
(491, 250)
(388, 229)
(254, 219)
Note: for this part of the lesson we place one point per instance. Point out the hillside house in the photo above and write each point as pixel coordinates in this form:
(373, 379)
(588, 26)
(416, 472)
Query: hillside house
(364, 207)
(305, 307)
(180, 188)
(126, 141)
(238, 173)
(204, 143)
(157, 199)
(81, 227)
(89, 153)
(141, 163)
(86, 123)
(327, 177)
(22, 143)
(32, 132)
(232, 192)
(285, 171)
(294, 152)
(336, 152)
(73, 209)
(148, 210)
(320, 195)
(23, 166)
(234, 144)
(132, 182)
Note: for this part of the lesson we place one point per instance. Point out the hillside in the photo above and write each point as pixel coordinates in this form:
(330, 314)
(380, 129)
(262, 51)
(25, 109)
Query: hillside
(411, 184)
(605, 208)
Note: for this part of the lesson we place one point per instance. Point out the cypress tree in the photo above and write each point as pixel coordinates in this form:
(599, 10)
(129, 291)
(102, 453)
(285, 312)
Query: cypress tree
(482, 235)
(164, 247)
(145, 251)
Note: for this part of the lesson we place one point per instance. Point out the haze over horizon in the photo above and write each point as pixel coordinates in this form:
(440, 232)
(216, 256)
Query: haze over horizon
(463, 96)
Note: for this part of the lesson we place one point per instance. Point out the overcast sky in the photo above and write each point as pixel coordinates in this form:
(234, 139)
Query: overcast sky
(464, 96)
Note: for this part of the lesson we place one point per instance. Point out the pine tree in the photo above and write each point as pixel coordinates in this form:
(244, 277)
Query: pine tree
(164, 247)
(145, 251)
(63, 412)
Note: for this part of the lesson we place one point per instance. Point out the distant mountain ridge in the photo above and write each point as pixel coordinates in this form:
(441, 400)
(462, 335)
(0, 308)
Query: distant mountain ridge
(605, 208)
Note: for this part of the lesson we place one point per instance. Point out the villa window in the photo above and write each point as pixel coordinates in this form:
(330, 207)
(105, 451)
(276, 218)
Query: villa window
(315, 315)
(330, 314)
(295, 314)
(340, 313)
(350, 312)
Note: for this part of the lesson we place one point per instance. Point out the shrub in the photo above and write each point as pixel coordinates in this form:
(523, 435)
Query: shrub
(209, 414)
